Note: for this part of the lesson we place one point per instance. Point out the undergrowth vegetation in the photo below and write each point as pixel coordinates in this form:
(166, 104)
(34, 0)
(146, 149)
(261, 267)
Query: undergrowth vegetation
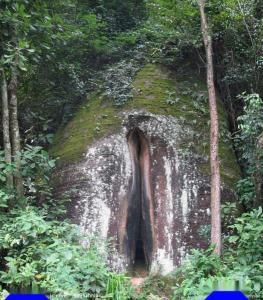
(41, 253)
(240, 267)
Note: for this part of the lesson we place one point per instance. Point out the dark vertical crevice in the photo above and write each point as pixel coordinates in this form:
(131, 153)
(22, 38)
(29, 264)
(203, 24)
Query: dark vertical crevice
(139, 224)
(134, 199)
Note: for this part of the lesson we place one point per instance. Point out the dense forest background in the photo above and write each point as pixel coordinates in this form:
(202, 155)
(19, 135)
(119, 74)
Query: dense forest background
(53, 55)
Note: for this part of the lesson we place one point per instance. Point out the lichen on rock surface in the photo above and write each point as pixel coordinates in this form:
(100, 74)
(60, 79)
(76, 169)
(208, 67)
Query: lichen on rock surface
(170, 112)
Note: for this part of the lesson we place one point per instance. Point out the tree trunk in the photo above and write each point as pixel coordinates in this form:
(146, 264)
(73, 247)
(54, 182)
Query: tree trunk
(6, 133)
(214, 160)
(15, 135)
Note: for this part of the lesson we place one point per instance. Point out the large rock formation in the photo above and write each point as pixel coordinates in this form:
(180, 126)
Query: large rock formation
(139, 174)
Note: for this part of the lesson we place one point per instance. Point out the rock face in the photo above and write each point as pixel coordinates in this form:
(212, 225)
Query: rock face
(139, 174)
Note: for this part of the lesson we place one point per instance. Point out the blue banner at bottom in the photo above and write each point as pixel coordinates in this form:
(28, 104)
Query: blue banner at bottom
(226, 295)
(26, 297)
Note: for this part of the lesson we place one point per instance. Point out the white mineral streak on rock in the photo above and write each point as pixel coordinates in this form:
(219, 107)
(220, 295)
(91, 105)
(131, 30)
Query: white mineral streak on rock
(91, 151)
(163, 263)
(117, 261)
(107, 166)
(176, 161)
(104, 216)
(126, 161)
(182, 252)
(169, 205)
(195, 189)
(96, 216)
(169, 210)
(184, 198)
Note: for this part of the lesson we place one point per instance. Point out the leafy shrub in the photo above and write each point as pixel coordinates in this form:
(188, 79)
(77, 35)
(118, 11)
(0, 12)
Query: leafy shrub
(36, 171)
(246, 191)
(250, 125)
(4, 168)
(46, 256)
(196, 276)
(248, 238)
(41, 254)
(229, 211)
(36, 168)
(4, 197)
(241, 267)
(245, 256)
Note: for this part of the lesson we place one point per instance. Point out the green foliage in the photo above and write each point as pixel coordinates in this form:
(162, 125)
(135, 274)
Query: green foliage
(119, 15)
(118, 287)
(66, 49)
(73, 41)
(43, 255)
(36, 169)
(118, 81)
(245, 256)
(40, 133)
(250, 126)
(229, 212)
(248, 142)
(4, 168)
(239, 23)
(246, 191)
(192, 276)
(240, 267)
(172, 33)
(6, 195)
(171, 30)
(248, 242)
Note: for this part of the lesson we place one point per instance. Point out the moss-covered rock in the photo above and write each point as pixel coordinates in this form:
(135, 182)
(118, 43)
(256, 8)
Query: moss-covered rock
(140, 172)
(161, 92)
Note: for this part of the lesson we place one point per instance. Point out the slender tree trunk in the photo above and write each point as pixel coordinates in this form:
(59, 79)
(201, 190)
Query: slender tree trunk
(6, 133)
(214, 130)
(15, 134)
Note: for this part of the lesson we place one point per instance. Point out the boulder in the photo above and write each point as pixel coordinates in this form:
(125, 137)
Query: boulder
(138, 175)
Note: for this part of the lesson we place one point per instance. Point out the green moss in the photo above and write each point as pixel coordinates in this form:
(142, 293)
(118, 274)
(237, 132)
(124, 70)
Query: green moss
(158, 91)
(95, 119)
(152, 87)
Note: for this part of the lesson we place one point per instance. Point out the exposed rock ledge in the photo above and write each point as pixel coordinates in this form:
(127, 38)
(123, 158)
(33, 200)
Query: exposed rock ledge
(139, 175)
